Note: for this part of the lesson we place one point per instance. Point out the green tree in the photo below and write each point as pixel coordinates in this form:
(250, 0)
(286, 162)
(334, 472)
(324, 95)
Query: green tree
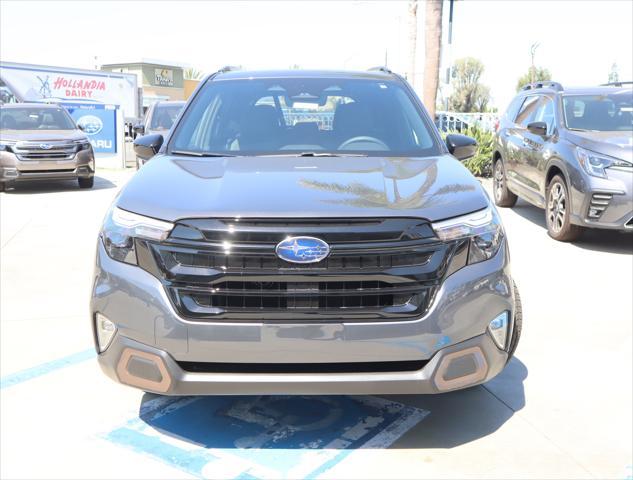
(192, 74)
(540, 74)
(468, 94)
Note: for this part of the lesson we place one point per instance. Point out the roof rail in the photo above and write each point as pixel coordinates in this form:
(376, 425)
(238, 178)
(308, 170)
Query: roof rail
(616, 84)
(544, 84)
(382, 69)
(229, 68)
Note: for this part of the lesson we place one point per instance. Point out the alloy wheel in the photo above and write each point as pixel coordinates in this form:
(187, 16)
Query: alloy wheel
(556, 207)
(499, 179)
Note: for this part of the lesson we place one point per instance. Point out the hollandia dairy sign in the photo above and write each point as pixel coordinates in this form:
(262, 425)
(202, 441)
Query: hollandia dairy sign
(34, 83)
(82, 88)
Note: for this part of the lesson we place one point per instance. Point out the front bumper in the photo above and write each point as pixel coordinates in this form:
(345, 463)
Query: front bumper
(468, 363)
(12, 169)
(146, 322)
(13, 175)
(611, 197)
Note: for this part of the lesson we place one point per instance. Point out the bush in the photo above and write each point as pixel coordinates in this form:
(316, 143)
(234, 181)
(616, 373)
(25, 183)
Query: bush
(480, 164)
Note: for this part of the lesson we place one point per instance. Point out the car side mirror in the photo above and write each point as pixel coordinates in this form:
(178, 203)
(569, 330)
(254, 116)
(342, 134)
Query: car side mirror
(147, 146)
(461, 146)
(80, 127)
(538, 128)
(139, 129)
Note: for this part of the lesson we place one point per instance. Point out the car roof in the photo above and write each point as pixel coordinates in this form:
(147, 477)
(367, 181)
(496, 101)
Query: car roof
(592, 90)
(595, 90)
(31, 105)
(296, 73)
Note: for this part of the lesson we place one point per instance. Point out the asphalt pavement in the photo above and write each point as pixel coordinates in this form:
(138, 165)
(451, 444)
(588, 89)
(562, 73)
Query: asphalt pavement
(561, 409)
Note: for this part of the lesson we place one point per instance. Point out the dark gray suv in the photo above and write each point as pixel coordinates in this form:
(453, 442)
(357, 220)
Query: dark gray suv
(569, 151)
(303, 232)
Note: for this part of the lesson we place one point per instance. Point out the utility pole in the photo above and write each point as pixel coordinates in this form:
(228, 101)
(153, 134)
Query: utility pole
(449, 54)
(532, 54)
(412, 18)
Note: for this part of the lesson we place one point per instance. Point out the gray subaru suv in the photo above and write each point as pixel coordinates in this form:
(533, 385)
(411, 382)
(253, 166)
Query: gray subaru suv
(569, 151)
(42, 142)
(303, 232)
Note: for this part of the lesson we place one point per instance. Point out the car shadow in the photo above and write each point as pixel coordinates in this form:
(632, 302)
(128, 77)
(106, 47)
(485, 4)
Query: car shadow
(608, 241)
(461, 417)
(310, 423)
(27, 187)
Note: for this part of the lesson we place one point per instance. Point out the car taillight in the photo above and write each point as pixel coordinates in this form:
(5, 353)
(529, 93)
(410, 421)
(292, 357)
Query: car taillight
(497, 125)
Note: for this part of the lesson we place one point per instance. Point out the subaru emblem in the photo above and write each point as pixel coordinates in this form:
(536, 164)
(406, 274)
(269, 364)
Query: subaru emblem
(45, 146)
(302, 250)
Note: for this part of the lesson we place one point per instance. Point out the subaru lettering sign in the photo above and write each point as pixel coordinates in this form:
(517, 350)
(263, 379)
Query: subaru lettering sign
(98, 123)
(302, 250)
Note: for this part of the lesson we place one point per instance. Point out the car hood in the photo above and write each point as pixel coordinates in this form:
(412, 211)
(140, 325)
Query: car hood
(172, 188)
(41, 135)
(614, 144)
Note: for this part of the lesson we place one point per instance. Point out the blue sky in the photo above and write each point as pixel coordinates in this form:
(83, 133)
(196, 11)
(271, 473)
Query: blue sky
(579, 40)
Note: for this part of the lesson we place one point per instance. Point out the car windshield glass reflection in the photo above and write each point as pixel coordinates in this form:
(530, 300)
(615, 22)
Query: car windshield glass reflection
(599, 112)
(298, 115)
(164, 116)
(29, 118)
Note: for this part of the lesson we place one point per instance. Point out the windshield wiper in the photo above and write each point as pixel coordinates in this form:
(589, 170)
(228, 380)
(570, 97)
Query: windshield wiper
(200, 154)
(314, 154)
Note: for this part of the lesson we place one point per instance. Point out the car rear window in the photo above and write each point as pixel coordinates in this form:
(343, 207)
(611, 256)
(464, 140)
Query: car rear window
(285, 115)
(32, 118)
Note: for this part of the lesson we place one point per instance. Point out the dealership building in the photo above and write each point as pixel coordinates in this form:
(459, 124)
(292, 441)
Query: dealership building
(158, 80)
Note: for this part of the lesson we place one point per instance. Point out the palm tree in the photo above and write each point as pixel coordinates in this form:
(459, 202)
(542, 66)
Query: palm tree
(432, 52)
(192, 74)
(413, 39)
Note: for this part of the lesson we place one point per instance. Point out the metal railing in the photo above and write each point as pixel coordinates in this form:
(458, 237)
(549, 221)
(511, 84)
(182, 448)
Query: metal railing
(457, 122)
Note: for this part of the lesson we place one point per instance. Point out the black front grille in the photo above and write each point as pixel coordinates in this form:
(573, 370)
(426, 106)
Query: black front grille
(326, 297)
(272, 262)
(235, 274)
(344, 367)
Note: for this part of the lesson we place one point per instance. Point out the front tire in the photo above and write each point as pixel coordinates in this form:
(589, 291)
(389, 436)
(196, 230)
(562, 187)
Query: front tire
(503, 196)
(558, 212)
(86, 182)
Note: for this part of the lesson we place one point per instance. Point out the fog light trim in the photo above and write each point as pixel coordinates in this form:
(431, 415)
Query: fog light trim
(498, 329)
(126, 377)
(481, 370)
(105, 329)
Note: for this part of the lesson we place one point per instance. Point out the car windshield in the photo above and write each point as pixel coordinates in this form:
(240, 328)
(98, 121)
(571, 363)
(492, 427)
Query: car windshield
(603, 113)
(33, 118)
(316, 116)
(164, 116)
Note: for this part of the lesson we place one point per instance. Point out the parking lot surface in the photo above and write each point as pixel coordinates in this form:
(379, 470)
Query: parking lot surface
(561, 409)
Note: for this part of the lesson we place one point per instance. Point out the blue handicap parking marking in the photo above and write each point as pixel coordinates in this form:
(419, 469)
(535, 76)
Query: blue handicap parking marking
(263, 436)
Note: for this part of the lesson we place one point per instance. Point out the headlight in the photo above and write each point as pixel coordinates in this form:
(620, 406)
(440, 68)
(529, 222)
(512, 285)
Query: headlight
(83, 145)
(596, 164)
(5, 146)
(121, 227)
(483, 228)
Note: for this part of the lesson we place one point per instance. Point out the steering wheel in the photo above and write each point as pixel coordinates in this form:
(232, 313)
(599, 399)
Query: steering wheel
(346, 144)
